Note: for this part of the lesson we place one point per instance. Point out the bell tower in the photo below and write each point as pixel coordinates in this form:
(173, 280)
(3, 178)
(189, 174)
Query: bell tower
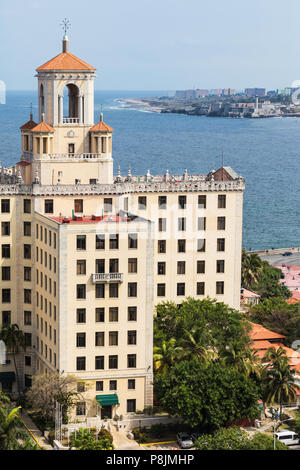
(66, 146)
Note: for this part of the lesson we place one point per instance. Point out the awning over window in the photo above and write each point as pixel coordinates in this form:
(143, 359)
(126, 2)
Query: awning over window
(7, 376)
(105, 400)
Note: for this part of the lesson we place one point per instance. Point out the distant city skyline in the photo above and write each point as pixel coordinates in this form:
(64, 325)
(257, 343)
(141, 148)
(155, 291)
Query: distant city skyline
(151, 45)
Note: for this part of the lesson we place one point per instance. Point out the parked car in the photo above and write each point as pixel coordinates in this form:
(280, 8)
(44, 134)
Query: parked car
(287, 253)
(184, 440)
(289, 438)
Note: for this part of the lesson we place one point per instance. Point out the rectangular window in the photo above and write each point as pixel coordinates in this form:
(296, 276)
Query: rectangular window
(5, 273)
(131, 384)
(132, 265)
(219, 287)
(201, 244)
(80, 340)
(99, 338)
(161, 246)
(99, 315)
(27, 229)
(220, 266)
(100, 242)
(180, 288)
(81, 266)
(81, 315)
(221, 201)
(27, 273)
(114, 290)
(99, 385)
(80, 363)
(28, 339)
(161, 290)
(5, 206)
(132, 289)
(200, 267)
(180, 267)
(80, 387)
(181, 246)
(131, 337)
(181, 224)
(221, 223)
(161, 267)
(107, 205)
(162, 224)
(78, 206)
(27, 206)
(5, 229)
(27, 251)
(142, 202)
(5, 251)
(113, 338)
(100, 290)
(181, 202)
(221, 244)
(112, 385)
(81, 242)
(132, 314)
(131, 360)
(80, 291)
(201, 223)
(200, 288)
(114, 265)
(132, 240)
(162, 202)
(125, 204)
(6, 317)
(131, 406)
(112, 362)
(27, 296)
(113, 314)
(201, 202)
(114, 241)
(27, 317)
(100, 266)
(48, 206)
(80, 406)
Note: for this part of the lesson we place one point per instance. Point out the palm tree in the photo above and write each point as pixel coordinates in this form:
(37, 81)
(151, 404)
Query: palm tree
(244, 360)
(165, 355)
(14, 339)
(195, 343)
(279, 378)
(9, 421)
(252, 267)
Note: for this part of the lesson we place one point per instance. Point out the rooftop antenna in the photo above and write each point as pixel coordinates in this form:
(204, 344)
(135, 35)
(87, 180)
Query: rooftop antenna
(65, 26)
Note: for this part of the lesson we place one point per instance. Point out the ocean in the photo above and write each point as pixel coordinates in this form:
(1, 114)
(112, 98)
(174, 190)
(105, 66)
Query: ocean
(266, 152)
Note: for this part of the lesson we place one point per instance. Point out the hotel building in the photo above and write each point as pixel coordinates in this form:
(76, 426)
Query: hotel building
(86, 254)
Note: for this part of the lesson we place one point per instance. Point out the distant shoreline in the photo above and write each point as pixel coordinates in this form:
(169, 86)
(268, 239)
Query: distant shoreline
(155, 105)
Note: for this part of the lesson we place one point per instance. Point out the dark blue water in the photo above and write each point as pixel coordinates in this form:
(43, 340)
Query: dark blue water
(265, 151)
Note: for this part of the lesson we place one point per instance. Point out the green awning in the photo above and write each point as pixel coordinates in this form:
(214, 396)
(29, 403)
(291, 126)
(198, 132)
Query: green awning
(7, 376)
(105, 400)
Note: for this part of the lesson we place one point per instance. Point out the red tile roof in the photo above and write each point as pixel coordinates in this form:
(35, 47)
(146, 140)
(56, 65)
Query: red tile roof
(91, 219)
(65, 61)
(293, 300)
(23, 163)
(28, 125)
(42, 127)
(258, 332)
(101, 127)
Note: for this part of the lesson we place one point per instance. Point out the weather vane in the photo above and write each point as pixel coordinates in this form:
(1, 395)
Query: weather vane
(65, 25)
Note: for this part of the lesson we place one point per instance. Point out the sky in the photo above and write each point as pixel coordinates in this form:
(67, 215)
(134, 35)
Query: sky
(156, 44)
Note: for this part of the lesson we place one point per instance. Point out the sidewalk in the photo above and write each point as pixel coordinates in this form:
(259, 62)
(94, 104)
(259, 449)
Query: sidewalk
(37, 435)
(121, 441)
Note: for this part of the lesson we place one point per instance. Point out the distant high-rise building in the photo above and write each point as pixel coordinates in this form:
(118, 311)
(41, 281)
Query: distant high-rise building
(199, 93)
(228, 91)
(255, 91)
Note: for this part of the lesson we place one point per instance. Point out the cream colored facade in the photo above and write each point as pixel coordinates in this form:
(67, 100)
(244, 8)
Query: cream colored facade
(188, 228)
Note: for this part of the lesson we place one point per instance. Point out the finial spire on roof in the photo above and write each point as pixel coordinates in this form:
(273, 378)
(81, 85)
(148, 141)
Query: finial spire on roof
(66, 26)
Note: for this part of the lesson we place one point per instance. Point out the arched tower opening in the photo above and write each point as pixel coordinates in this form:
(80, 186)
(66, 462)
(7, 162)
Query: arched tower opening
(42, 101)
(72, 103)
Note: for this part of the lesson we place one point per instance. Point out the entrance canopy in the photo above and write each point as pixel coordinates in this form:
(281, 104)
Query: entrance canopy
(111, 399)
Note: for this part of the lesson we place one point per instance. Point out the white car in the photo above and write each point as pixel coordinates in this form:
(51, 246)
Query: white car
(289, 438)
(184, 440)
